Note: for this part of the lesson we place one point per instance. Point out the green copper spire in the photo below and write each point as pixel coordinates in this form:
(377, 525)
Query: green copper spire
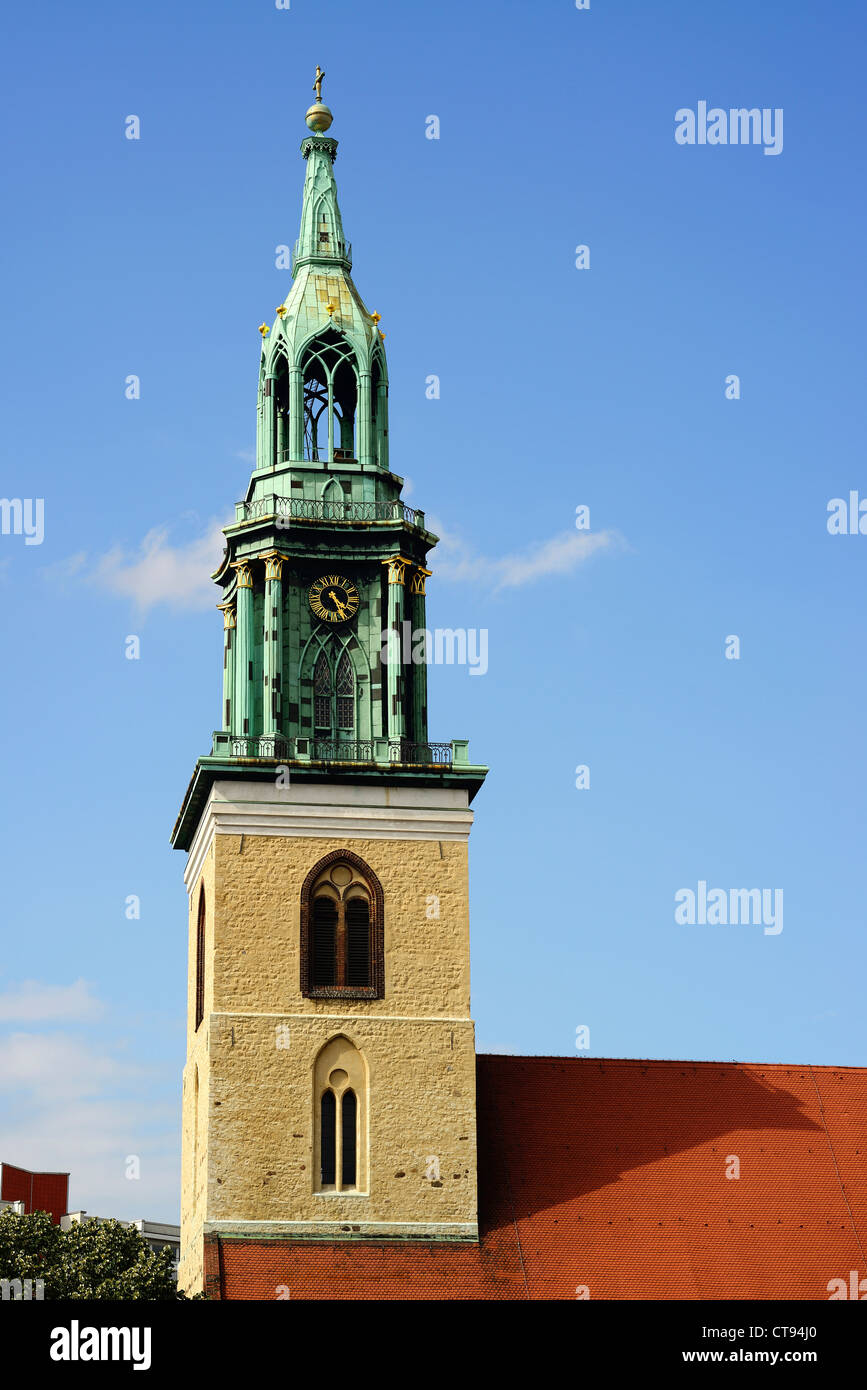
(323, 576)
(323, 388)
(321, 239)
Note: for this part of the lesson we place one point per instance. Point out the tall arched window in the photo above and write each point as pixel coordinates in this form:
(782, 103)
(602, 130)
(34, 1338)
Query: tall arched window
(349, 1138)
(340, 1096)
(328, 1141)
(195, 1175)
(342, 930)
(345, 685)
(200, 958)
(322, 693)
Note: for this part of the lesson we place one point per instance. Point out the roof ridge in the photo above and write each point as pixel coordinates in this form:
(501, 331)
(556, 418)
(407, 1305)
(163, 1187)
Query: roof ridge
(674, 1062)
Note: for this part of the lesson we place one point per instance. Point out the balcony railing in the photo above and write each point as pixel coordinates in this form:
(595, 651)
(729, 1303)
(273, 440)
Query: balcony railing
(343, 513)
(340, 455)
(322, 251)
(387, 751)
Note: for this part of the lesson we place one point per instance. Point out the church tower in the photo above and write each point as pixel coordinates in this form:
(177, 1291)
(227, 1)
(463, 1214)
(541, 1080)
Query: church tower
(329, 1087)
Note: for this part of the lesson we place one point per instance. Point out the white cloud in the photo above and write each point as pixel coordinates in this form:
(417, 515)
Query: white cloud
(560, 554)
(48, 1064)
(70, 1106)
(160, 572)
(179, 575)
(31, 1001)
(91, 1140)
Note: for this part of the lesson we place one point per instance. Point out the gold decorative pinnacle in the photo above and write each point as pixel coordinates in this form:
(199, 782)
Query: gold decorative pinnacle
(375, 317)
(281, 309)
(264, 329)
(330, 308)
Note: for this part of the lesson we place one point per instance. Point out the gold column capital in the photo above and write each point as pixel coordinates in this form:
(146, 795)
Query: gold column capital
(397, 567)
(418, 577)
(228, 610)
(274, 563)
(245, 573)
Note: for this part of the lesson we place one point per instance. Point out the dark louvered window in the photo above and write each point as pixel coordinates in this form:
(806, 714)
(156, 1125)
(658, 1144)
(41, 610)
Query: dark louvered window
(357, 913)
(200, 959)
(348, 1126)
(324, 942)
(328, 1138)
(342, 930)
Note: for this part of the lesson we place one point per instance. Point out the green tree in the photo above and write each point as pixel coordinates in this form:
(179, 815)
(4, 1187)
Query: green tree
(92, 1260)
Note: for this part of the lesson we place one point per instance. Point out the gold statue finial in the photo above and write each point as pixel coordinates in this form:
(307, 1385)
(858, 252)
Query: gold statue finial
(318, 117)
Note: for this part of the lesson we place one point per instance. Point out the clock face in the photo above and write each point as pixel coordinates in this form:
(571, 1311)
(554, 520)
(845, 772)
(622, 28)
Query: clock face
(333, 598)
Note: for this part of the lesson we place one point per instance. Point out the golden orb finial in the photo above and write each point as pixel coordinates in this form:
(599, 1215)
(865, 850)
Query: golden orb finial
(318, 116)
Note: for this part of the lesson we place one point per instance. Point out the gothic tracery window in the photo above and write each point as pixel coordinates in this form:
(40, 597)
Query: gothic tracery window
(333, 697)
(345, 693)
(340, 1118)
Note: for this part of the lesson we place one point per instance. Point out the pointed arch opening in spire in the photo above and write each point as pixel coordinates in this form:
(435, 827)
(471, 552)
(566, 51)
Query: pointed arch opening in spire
(280, 415)
(277, 397)
(330, 397)
(379, 410)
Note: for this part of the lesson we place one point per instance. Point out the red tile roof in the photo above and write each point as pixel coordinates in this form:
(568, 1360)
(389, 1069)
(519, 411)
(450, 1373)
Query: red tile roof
(611, 1176)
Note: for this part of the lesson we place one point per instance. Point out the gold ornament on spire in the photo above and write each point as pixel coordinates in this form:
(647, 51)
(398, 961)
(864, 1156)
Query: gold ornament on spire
(318, 116)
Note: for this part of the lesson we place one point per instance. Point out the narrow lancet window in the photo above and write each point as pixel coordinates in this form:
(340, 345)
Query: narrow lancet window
(200, 958)
(328, 1138)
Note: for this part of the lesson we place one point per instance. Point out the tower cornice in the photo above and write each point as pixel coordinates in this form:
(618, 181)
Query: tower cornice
(319, 142)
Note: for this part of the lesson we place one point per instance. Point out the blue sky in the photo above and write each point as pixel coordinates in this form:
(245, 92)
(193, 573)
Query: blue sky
(559, 387)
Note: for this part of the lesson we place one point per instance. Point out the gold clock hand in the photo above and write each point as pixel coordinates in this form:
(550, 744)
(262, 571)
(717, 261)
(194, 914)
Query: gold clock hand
(337, 604)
